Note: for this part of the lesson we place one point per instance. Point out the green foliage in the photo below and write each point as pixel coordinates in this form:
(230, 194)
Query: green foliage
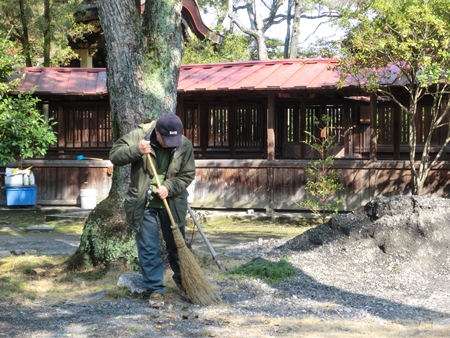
(233, 48)
(271, 272)
(386, 34)
(321, 48)
(409, 41)
(8, 59)
(62, 28)
(275, 49)
(323, 183)
(24, 132)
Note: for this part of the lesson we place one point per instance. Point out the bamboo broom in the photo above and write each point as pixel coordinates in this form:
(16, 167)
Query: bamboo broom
(197, 288)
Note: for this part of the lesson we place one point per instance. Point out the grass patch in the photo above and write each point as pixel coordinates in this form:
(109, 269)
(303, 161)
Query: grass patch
(19, 282)
(15, 222)
(16, 275)
(91, 275)
(271, 272)
(243, 229)
(67, 227)
(120, 292)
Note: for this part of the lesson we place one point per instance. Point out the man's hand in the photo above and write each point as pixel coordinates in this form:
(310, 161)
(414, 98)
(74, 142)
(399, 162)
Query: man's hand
(144, 147)
(162, 192)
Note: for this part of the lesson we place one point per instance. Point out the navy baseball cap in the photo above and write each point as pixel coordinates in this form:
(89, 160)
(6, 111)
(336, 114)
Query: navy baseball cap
(170, 128)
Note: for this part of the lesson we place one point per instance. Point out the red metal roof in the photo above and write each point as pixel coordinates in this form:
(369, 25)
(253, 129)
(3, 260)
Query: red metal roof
(64, 81)
(251, 75)
(259, 75)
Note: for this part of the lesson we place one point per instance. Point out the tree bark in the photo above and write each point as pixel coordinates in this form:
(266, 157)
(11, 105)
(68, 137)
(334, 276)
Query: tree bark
(287, 39)
(47, 33)
(256, 29)
(25, 39)
(293, 50)
(143, 63)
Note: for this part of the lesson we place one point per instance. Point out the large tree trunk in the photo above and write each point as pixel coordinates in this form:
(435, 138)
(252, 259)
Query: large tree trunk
(144, 56)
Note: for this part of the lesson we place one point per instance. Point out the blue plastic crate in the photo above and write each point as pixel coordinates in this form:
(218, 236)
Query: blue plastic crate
(21, 196)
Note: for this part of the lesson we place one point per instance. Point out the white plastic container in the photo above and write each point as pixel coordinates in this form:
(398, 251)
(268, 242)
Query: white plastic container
(14, 180)
(26, 179)
(88, 198)
(32, 179)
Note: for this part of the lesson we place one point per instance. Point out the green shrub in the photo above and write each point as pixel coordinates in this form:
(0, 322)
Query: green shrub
(323, 181)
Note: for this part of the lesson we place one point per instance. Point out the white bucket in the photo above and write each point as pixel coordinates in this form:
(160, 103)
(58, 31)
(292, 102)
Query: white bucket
(88, 198)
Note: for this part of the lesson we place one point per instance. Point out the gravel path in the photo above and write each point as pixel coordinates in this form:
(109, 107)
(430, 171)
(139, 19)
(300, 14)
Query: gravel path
(345, 280)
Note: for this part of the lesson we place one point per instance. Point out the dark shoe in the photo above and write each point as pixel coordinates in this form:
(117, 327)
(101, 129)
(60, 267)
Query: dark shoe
(156, 300)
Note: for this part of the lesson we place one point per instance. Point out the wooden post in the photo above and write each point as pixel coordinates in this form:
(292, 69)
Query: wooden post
(270, 150)
(270, 154)
(396, 138)
(373, 127)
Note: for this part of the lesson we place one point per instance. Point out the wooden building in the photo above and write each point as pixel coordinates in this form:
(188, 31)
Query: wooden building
(247, 122)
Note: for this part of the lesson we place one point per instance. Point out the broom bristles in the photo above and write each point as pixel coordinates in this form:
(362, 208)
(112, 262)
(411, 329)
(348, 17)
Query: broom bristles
(197, 288)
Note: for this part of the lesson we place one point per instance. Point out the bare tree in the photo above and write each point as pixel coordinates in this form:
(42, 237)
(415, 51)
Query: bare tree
(263, 15)
(311, 11)
(257, 24)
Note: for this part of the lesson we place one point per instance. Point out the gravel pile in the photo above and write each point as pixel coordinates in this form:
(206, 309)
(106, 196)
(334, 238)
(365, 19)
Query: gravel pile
(385, 262)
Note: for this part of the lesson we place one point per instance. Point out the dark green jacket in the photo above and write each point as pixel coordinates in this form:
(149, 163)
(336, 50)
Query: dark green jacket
(180, 173)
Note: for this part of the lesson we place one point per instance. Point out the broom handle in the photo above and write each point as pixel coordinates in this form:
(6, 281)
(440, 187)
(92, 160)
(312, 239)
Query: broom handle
(158, 184)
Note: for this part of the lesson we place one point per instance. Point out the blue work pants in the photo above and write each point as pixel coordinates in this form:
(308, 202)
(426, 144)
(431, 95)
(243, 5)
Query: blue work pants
(149, 250)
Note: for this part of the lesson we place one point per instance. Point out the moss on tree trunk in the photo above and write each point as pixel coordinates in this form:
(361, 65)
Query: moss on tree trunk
(106, 237)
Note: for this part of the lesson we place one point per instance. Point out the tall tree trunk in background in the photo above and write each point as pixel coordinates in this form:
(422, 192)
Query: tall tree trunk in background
(287, 39)
(47, 33)
(25, 39)
(144, 57)
(298, 4)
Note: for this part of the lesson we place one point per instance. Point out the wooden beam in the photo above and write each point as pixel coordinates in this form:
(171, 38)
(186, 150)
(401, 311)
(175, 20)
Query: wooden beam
(270, 155)
(373, 127)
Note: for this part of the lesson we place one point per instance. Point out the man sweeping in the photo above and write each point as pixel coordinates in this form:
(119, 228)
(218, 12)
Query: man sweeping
(172, 156)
